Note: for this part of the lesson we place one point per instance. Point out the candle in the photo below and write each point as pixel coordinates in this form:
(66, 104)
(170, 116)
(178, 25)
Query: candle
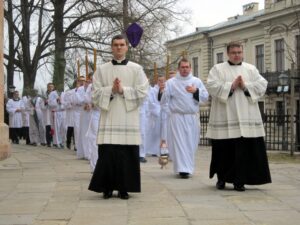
(155, 76)
(95, 60)
(78, 68)
(86, 65)
(167, 67)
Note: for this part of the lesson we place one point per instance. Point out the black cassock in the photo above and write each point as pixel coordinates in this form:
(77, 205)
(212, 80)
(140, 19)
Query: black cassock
(240, 161)
(117, 168)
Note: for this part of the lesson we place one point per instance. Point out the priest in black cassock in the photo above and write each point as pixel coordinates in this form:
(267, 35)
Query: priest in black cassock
(235, 124)
(119, 88)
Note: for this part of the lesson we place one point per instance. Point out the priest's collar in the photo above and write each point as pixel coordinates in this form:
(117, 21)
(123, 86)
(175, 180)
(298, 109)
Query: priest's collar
(232, 64)
(119, 62)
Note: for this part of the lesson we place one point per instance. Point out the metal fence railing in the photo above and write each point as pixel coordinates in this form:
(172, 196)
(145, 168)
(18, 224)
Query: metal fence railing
(277, 128)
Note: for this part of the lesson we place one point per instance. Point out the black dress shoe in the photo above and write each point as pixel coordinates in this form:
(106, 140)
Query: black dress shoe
(239, 187)
(143, 160)
(107, 194)
(68, 145)
(123, 195)
(220, 185)
(184, 175)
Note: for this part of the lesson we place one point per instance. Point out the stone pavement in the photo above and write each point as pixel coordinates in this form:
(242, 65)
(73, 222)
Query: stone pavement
(43, 186)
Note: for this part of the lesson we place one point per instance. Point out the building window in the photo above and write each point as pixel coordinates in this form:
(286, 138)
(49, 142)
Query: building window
(195, 66)
(259, 57)
(298, 50)
(279, 54)
(220, 57)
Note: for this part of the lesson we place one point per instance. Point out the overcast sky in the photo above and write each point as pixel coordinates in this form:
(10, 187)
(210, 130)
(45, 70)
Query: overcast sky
(210, 12)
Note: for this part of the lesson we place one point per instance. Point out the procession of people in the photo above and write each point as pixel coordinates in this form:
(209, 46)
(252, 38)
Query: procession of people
(115, 119)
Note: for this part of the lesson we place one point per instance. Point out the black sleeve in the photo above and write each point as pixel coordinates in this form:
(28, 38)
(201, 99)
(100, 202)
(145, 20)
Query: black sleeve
(196, 95)
(231, 93)
(159, 96)
(246, 93)
(111, 97)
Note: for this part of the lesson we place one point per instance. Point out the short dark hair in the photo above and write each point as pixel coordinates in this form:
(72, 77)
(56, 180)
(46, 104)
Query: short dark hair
(119, 37)
(185, 60)
(234, 44)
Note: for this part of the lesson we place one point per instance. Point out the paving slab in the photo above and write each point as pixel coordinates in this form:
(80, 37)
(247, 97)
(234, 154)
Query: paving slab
(45, 186)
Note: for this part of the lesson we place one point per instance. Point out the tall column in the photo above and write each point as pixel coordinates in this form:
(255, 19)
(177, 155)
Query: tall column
(4, 140)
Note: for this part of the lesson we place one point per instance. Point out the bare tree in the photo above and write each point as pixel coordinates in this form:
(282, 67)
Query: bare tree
(27, 51)
(44, 28)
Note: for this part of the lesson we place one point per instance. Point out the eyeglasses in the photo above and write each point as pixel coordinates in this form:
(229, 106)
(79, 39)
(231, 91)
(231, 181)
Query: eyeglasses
(119, 45)
(236, 53)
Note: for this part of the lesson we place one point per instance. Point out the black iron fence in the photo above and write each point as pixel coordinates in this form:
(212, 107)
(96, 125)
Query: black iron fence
(277, 128)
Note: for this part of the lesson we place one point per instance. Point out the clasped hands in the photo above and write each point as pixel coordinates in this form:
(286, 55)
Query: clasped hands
(238, 83)
(191, 89)
(117, 87)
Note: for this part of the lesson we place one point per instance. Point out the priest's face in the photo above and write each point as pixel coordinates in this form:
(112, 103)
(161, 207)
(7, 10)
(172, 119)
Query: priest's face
(184, 69)
(119, 48)
(235, 55)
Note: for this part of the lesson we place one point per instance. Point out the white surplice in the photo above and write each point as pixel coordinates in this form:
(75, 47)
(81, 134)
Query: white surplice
(238, 115)
(15, 118)
(119, 121)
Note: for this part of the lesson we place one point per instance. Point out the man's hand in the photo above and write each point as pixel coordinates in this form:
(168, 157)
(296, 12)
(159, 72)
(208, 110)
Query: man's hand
(117, 87)
(241, 83)
(191, 89)
(236, 83)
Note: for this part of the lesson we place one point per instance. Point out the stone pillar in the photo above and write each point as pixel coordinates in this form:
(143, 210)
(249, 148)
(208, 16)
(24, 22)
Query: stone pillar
(4, 140)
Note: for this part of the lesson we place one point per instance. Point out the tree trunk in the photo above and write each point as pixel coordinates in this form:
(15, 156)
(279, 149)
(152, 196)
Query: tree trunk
(28, 69)
(60, 43)
(11, 50)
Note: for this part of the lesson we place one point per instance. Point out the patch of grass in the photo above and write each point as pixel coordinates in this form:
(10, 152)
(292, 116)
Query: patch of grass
(280, 157)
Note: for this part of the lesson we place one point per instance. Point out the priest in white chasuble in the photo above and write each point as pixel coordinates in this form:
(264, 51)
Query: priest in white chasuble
(235, 124)
(119, 88)
(183, 95)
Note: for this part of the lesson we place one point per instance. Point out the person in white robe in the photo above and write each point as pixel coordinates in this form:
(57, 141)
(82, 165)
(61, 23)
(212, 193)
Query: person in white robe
(55, 107)
(47, 115)
(77, 108)
(91, 134)
(14, 108)
(183, 94)
(153, 140)
(69, 116)
(33, 120)
(61, 119)
(41, 125)
(119, 88)
(235, 123)
(81, 119)
(26, 119)
(143, 130)
(85, 118)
